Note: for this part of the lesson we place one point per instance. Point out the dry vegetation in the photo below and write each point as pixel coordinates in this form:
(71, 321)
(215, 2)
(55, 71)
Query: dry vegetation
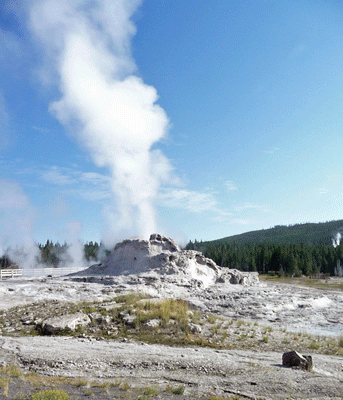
(175, 322)
(329, 283)
(18, 385)
(171, 322)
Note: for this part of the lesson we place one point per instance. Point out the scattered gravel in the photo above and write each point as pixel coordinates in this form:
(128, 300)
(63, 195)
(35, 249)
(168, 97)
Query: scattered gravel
(201, 370)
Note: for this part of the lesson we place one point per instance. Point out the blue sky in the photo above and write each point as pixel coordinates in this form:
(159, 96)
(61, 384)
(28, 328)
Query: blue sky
(238, 108)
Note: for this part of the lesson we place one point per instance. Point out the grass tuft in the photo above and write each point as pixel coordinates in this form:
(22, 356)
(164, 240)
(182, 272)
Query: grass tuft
(314, 345)
(151, 391)
(179, 390)
(51, 395)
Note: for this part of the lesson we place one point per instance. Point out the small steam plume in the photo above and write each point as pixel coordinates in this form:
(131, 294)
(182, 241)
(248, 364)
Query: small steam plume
(16, 224)
(74, 256)
(337, 239)
(111, 111)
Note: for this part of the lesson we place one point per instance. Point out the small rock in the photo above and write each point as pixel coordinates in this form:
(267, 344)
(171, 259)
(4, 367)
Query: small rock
(27, 322)
(98, 318)
(194, 328)
(129, 319)
(294, 359)
(153, 323)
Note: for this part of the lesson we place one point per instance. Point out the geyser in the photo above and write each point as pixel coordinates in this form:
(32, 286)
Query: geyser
(161, 258)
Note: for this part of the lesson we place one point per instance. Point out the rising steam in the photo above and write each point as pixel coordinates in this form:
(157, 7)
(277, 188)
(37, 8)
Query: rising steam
(337, 239)
(111, 111)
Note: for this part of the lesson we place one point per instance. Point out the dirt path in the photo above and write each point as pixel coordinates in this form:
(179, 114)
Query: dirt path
(202, 371)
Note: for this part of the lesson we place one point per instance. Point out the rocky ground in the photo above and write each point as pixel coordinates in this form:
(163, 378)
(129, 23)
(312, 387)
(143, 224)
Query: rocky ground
(235, 352)
(201, 371)
(179, 327)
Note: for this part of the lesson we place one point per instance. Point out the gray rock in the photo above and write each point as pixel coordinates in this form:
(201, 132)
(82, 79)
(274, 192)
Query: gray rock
(153, 323)
(236, 277)
(194, 328)
(99, 319)
(294, 359)
(65, 322)
(129, 319)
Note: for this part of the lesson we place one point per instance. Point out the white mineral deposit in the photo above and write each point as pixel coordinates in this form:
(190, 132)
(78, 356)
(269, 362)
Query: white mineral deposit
(159, 268)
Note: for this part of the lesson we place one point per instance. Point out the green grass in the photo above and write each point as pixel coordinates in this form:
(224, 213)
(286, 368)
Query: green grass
(265, 339)
(151, 391)
(79, 383)
(165, 311)
(125, 386)
(178, 390)
(314, 345)
(7, 373)
(174, 317)
(211, 318)
(51, 395)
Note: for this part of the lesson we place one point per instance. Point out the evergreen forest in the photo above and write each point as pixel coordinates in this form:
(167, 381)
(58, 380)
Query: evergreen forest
(57, 255)
(303, 249)
(286, 259)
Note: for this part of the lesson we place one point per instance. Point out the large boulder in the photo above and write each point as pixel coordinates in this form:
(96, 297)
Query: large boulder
(294, 359)
(65, 323)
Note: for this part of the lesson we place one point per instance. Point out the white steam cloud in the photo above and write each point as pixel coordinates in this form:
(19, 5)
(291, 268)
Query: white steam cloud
(337, 239)
(16, 224)
(111, 111)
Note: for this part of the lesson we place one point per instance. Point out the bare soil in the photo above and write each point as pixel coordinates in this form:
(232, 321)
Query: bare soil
(129, 368)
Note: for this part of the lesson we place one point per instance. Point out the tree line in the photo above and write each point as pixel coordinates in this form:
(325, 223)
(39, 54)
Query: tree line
(287, 259)
(55, 254)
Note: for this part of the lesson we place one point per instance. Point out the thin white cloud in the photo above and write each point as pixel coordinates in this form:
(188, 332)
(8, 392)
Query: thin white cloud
(251, 206)
(90, 186)
(272, 150)
(231, 185)
(241, 221)
(94, 177)
(247, 206)
(59, 176)
(322, 190)
(189, 200)
(40, 129)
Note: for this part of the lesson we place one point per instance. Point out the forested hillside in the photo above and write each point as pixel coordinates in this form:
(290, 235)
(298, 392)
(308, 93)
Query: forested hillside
(304, 249)
(311, 233)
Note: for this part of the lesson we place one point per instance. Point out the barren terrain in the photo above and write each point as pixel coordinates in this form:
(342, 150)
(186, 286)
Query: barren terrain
(157, 321)
(244, 331)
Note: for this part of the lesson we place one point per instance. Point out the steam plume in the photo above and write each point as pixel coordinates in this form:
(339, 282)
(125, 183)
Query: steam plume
(337, 239)
(111, 111)
(16, 224)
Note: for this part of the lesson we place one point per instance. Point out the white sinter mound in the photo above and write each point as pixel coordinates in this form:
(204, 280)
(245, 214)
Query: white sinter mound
(161, 255)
